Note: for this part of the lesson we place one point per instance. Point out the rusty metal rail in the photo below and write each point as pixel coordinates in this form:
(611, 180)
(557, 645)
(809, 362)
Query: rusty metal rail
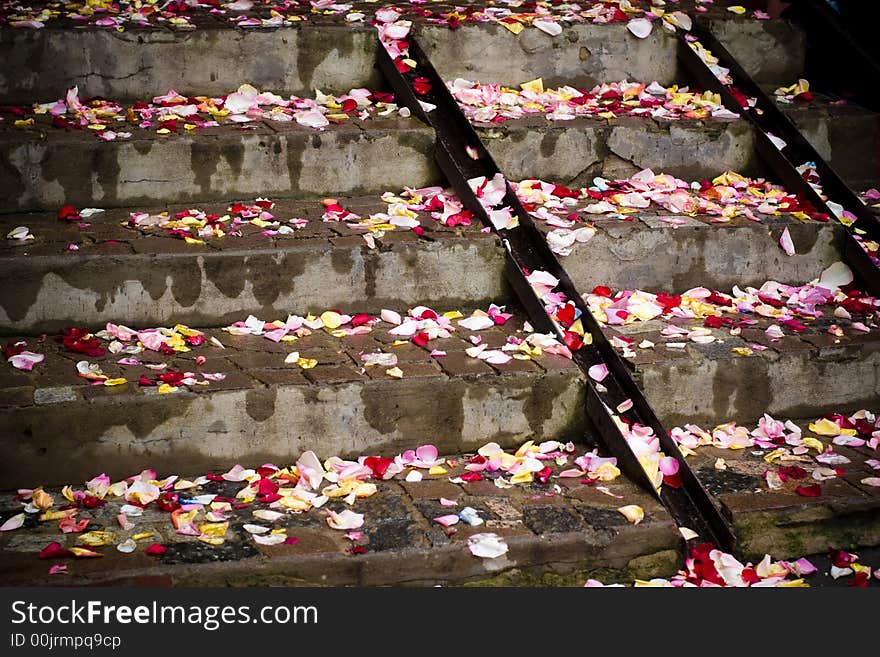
(527, 251)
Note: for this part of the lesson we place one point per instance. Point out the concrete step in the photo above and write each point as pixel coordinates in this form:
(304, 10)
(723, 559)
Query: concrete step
(574, 152)
(558, 533)
(653, 231)
(783, 522)
(149, 277)
(846, 135)
(649, 254)
(695, 372)
(268, 157)
(47, 167)
(57, 424)
(141, 61)
(327, 50)
(587, 54)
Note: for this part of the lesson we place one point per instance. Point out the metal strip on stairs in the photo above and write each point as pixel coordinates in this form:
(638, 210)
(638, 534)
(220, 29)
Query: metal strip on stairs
(526, 252)
(767, 119)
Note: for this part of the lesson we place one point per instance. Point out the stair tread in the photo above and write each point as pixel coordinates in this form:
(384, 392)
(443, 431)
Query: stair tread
(544, 525)
(734, 369)
(329, 391)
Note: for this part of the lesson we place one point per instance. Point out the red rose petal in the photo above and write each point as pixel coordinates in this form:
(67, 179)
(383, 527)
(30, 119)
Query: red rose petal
(813, 490)
(55, 551)
(156, 550)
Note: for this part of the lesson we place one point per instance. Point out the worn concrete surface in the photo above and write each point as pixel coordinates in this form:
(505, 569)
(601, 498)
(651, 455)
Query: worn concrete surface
(325, 52)
(583, 55)
(845, 516)
(557, 536)
(574, 152)
(845, 135)
(150, 278)
(648, 254)
(57, 425)
(43, 64)
(798, 376)
(772, 52)
(48, 168)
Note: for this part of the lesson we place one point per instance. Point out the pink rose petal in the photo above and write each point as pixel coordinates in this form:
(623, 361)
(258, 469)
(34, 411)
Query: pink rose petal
(447, 521)
(598, 372)
(786, 243)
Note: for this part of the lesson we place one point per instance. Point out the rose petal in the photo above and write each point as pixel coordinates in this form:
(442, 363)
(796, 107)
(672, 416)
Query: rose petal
(632, 512)
(487, 546)
(14, 522)
(447, 521)
(786, 243)
(598, 372)
(640, 27)
(345, 519)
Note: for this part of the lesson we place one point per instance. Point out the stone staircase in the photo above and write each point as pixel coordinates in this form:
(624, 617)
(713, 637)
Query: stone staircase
(58, 429)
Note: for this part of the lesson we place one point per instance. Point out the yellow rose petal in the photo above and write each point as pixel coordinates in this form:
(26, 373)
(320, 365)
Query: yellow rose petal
(523, 477)
(535, 86)
(826, 427)
(632, 512)
(96, 538)
(814, 443)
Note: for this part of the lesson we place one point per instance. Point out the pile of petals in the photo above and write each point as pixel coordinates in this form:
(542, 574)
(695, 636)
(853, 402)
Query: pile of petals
(175, 113)
(796, 93)
(128, 344)
(805, 460)
(195, 226)
(490, 194)
(726, 197)
(513, 15)
(271, 493)
(179, 14)
(562, 311)
(707, 566)
(419, 326)
(18, 355)
(790, 307)
(493, 103)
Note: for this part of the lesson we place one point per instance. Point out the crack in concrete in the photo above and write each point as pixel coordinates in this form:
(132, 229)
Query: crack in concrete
(104, 76)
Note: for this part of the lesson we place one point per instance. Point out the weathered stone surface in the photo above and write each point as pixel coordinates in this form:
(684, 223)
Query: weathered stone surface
(46, 170)
(401, 543)
(226, 279)
(43, 65)
(323, 53)
(334, 408)
(845, 135)
(648, 254)
(574, 152)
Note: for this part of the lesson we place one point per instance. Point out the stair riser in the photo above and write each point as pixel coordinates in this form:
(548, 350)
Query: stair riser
(574, 155)
(68, 441)
(220, 288)
(849, 142)
(626, 256)
(348, 161)
(130, 64)
(41, 66)
(772, 52)
(706, 392)
(294, 164)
